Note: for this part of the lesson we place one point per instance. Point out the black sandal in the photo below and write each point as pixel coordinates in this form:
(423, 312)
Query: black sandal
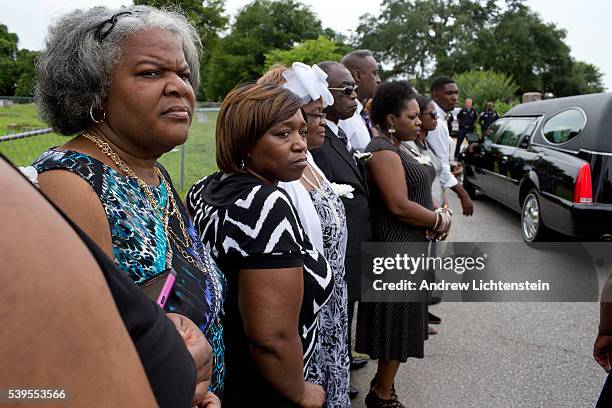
(372, 400)
(393, 394)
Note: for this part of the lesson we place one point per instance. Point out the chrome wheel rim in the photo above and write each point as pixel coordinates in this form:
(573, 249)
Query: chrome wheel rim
(531, 217)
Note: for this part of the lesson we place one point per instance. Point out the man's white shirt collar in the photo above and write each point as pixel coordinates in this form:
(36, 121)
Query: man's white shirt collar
(333, 126)
(359, 107)
(441, 112)
(356, 129)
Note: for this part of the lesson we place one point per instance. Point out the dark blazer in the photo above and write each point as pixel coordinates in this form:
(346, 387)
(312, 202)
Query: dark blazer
(339, 167)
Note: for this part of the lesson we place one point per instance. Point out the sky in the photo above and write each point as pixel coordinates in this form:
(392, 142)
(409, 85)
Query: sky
(586, 27)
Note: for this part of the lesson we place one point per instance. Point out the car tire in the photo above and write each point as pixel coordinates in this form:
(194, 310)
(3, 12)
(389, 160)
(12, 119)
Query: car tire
(469, 189)
(532, 228)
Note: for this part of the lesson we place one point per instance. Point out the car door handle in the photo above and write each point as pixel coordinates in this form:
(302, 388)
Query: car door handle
(504, 159)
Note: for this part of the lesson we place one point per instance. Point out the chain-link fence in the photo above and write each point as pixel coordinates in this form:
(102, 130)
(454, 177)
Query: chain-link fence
(23, 148)
(186, 163)
(9, 100)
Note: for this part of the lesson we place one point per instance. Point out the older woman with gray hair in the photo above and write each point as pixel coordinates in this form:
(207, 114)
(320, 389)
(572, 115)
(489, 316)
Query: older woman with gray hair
(122, 83)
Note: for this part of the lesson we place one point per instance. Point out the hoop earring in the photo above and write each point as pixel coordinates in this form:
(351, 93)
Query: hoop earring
(96, 121)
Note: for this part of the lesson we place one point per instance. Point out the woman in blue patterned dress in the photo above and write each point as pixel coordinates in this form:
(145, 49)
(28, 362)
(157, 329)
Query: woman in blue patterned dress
(123, 83)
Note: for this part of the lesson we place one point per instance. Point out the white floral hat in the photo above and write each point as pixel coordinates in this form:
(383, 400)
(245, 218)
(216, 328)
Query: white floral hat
(309, 83)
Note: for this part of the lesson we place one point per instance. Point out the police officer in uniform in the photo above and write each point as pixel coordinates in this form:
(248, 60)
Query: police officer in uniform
(466, 117)
(487, 117)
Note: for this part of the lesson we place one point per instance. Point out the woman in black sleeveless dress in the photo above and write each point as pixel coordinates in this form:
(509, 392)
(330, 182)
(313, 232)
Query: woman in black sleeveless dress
(402, 211)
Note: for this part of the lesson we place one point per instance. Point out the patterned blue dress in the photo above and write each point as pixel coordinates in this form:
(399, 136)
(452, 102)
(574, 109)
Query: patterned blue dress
(139, 245)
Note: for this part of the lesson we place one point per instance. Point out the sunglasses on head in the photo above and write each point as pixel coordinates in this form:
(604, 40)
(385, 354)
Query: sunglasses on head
(348, 90)
(104, 28)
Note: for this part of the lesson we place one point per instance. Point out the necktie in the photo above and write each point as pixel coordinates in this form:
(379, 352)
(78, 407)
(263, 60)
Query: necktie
(344, 139)
(366, 120)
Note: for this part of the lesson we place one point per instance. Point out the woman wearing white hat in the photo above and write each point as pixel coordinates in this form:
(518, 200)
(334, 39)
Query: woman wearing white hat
(322, 215)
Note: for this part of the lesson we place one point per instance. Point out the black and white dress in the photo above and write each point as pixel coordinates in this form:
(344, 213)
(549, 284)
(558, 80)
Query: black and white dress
(396, 330)
(331, 364)
(248, 225)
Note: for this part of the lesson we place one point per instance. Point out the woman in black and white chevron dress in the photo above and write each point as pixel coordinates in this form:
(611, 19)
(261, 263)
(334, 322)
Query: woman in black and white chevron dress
(277, 281)
(322, 215)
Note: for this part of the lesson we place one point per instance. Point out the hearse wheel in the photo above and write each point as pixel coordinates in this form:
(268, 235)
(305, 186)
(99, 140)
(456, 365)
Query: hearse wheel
(531, 219)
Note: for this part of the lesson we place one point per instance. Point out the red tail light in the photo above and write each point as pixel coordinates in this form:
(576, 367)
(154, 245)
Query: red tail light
(583, 192)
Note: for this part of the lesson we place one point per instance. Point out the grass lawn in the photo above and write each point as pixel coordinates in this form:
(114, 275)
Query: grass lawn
(199, 148)
(14, 118)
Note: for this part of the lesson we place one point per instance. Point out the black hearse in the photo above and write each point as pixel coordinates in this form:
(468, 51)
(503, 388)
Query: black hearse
(550, 160)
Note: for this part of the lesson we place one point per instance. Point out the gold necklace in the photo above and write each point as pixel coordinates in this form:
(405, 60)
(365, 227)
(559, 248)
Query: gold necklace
(197, 262)
(153, 203)
(108, 151)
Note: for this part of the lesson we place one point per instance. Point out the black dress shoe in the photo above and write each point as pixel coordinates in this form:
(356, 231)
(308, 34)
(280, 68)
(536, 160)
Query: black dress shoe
(373, 401)
(433, 319)
(358, 363)
(352, 392)
(373, 383)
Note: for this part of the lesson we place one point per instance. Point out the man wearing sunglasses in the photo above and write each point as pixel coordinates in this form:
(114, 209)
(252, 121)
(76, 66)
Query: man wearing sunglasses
(364, 69)
(335, 158)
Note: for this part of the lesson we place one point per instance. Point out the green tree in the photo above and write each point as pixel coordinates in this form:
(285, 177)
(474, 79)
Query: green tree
(484, 86)
(520, 44)
(587, 78)
(502, 107)
(423, 38)
(260, 27)
(208, 18)
(206, 15)
(8, 53)
(309, 52)
(26, 72)
(418, 38)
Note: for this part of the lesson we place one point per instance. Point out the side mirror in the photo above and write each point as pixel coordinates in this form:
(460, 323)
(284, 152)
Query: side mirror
(524, 143)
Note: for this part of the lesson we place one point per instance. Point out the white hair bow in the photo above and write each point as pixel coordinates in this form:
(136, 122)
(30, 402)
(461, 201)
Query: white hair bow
(309, 83)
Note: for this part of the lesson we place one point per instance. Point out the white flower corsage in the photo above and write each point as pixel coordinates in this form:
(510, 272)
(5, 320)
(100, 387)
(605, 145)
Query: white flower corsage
(31, 173)
(423, 159)
(343, 190)
(363, 157)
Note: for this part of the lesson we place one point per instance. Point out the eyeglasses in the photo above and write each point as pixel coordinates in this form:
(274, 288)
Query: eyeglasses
(433, 114)
(320, 116)
(348, 90)
(101, 34)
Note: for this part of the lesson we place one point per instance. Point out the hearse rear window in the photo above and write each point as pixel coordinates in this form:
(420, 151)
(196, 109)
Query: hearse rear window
(564, 126)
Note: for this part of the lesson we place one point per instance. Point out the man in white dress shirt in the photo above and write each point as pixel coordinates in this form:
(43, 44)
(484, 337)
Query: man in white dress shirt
(364, 69)
(445, 93)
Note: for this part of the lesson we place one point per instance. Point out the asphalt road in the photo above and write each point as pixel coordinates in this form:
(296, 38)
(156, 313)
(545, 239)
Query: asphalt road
(500, 354)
